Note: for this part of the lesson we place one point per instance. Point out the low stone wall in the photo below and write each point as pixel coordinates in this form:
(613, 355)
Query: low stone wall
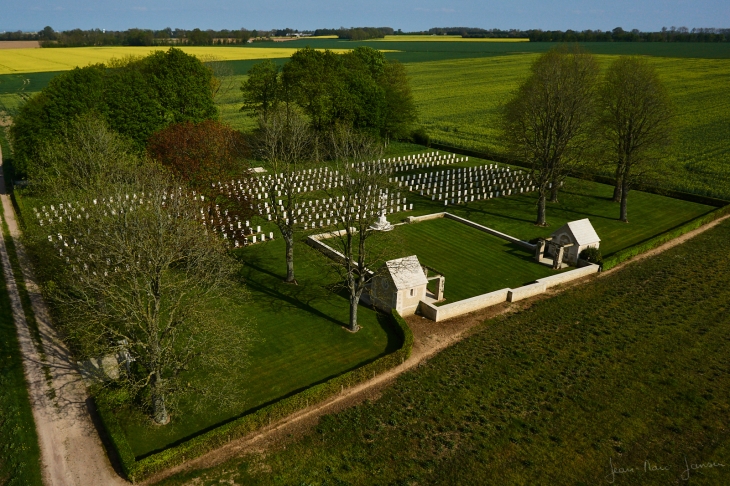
(455, 309)
(315, 241)
(560, 278)
(440, 313)
(526, 291)
(426, 217)
(459, 219)
(511, 239)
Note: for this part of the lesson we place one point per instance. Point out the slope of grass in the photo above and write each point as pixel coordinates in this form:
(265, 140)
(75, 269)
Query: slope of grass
(628, 368)
(473, 262)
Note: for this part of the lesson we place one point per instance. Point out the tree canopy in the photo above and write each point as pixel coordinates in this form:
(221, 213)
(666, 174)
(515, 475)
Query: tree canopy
(359, 88)
(136, 97)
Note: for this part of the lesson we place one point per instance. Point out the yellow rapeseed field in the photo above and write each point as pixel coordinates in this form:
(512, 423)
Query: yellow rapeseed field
(67, 58)
(444, 38)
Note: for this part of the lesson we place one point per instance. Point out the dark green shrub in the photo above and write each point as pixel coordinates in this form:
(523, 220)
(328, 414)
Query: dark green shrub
(592, 255)
(421, 137)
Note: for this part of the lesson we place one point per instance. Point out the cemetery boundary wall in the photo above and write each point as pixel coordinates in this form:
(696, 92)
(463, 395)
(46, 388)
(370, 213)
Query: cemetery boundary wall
(455, 309)
(137, 470)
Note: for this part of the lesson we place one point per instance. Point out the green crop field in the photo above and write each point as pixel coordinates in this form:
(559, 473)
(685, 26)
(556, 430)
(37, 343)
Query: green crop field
(629, 368)
(473, 262)
(459, 103)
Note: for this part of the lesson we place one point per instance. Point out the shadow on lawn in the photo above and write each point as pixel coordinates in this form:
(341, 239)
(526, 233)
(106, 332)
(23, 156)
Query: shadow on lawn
(298, 296)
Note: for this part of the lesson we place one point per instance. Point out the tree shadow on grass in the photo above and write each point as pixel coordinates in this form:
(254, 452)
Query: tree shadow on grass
(300, 297)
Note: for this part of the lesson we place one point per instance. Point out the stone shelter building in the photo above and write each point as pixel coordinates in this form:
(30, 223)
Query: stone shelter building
(400, 284)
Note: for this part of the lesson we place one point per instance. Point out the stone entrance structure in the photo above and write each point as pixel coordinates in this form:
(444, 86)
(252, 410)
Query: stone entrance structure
(566, 243)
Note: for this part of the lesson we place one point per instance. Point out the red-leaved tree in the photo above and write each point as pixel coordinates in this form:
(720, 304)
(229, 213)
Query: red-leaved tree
(201, 153)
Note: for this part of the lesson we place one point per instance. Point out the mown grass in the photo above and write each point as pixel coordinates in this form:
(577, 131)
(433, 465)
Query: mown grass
(625, 369)
(473, 262)
(649, 214)
(300, 340)
(19, 452)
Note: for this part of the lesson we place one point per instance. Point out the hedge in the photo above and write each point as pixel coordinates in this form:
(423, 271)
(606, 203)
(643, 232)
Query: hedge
(144, 468)
(658, 240)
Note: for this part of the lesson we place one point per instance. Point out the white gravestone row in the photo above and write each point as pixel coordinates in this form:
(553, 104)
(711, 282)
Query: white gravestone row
(417, 161)
(238, 232)
(457, 186)
(321, 213)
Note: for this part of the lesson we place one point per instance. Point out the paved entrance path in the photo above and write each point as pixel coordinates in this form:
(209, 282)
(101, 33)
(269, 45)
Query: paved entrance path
(71, 451)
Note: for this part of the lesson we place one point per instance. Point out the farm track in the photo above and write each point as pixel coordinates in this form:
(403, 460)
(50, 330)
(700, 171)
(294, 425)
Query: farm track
(71, 451)
(429, 339)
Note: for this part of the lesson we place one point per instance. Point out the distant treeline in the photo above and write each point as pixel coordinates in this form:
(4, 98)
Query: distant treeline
(138, 37)
(672, 34)
(197, 37)
(357, 33)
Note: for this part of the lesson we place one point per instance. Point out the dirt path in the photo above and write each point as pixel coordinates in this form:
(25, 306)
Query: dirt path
(71, 451)
(430, 338)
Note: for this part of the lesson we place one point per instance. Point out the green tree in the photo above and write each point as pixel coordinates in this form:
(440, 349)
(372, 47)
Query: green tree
(183, 85)
(548, 120)
(137, 96)
(262, 90)
(637, 122)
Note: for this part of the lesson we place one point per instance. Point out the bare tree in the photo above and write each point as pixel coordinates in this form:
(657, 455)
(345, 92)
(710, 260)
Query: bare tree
(547, 121)
(139, 275)
(636, 119)
(359, 199)
(286, 143)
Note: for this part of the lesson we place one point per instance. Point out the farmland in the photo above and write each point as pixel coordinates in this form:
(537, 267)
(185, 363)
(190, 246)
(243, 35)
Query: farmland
(548, 395)
(14, 61)
(459, 104)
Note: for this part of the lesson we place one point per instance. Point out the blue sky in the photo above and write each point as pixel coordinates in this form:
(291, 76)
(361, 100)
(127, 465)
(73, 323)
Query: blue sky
(405, 14)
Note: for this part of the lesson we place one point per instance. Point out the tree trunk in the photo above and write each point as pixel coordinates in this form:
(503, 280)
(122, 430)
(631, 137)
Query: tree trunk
(554, 192)
(624, 200)
(541, 210)
(289, 259)
(354, 300)
(159, 410)
(617, 187)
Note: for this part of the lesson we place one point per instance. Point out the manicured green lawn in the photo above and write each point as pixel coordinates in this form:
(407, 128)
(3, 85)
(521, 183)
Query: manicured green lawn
(473, 262)
(300, 341)
(629, 368)
(19, 453)
(649, 214)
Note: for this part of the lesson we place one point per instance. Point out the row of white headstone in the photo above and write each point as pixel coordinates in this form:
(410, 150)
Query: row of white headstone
(415, 161)
(470, 184)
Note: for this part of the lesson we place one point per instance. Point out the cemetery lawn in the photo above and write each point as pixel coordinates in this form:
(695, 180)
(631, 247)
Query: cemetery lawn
(300, 341)
(627, 368)
(649, 214)
(472, 261)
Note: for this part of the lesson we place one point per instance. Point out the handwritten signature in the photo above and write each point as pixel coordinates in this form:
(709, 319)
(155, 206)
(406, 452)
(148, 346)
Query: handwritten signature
(649, 467)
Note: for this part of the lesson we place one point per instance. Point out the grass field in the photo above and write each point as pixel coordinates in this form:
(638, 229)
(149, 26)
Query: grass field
(629, 368)
(441, 38)
(64, 58)
(473, 262)
(300, 341)
(649, 214)
(19, 452)
(459, 103)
